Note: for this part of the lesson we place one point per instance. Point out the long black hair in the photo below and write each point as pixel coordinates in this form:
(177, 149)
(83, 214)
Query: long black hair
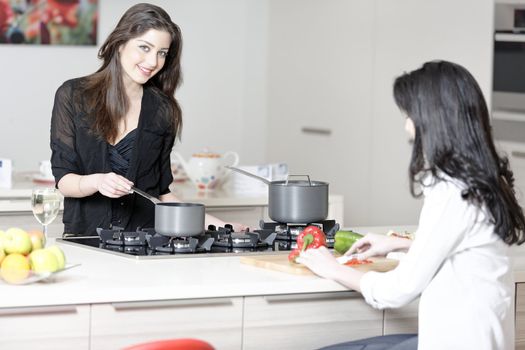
(453, 135)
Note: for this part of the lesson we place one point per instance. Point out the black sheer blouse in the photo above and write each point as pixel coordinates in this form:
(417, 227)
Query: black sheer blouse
(76, 149)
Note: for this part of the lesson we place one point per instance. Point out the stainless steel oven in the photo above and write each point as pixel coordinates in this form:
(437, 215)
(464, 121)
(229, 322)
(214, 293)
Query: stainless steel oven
(509, 59)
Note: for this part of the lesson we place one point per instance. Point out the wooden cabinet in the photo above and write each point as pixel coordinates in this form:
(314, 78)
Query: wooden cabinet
(307, 321)
(217, 320)
(402, 320)
(45, 328)
(520, 316)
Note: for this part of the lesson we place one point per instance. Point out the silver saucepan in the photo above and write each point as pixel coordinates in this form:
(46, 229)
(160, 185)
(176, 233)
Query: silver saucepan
(176, 219)
(294, 201)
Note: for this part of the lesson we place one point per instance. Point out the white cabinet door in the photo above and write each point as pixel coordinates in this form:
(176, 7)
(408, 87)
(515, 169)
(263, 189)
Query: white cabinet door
(45, 328)
(402, 320)
(320, 71)
(516, 153)
(217, 321)
(308, 321)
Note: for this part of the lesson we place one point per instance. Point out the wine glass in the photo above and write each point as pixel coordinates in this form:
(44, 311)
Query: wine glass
(45, 203)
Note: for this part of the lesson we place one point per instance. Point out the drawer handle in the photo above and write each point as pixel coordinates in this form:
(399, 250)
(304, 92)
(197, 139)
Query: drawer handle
(318, 131)
(518, 154)
(162, 304)
(25, 311)
(290, 298)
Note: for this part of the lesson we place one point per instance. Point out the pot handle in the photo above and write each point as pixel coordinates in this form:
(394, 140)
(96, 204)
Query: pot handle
(309, 182)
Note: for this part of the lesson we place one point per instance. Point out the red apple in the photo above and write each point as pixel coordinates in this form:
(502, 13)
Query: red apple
(38, 239)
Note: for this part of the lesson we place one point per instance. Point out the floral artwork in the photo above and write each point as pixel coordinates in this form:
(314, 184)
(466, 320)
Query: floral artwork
(48, 22)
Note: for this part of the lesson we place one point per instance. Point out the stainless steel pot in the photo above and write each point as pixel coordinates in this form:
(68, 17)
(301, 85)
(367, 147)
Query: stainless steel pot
(295, 201)
(176, 219)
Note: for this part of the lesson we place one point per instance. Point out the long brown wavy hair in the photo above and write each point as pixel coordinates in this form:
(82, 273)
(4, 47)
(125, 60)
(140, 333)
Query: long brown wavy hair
(104, 90)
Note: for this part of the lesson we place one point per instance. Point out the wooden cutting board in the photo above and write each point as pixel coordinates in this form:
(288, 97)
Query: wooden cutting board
(281, 263)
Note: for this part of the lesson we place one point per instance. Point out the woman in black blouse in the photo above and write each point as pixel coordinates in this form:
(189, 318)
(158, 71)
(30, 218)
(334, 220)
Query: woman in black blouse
(116, 128)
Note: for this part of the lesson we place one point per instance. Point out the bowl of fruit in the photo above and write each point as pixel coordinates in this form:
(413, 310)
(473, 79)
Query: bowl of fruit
(25, 258)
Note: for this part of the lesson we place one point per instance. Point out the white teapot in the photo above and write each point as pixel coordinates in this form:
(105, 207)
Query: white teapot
(206, 169)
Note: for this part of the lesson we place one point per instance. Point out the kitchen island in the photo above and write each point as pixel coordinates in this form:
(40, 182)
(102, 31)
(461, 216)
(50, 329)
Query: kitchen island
(111, 301)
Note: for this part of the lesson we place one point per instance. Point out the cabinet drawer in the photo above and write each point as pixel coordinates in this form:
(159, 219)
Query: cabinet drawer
(50, 327)
(402, 320)
(308, 321)
(218, 321)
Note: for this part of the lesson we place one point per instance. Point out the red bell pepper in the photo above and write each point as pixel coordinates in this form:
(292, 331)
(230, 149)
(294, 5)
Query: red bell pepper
(311, 237)
(294, 254)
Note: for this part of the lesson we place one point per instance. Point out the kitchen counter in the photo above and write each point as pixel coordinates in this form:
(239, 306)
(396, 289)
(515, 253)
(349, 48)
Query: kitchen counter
(107, 278)
(111, 301)
(17, 198)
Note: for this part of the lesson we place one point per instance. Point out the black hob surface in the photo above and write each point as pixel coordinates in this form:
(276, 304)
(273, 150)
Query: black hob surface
(221, 241)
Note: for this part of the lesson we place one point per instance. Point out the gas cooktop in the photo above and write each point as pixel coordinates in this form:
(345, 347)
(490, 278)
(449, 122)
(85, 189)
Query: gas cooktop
(215, 241)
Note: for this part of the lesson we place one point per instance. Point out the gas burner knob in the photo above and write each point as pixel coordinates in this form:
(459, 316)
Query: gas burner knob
(212, 228)
(229, 227)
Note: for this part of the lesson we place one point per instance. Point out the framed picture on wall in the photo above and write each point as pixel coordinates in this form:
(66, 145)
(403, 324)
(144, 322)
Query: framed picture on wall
(49, 22)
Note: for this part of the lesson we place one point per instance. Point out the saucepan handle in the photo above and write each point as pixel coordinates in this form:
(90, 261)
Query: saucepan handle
(307, 176)
(146, 195)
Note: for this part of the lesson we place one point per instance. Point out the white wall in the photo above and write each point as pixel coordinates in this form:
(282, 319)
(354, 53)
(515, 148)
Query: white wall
(222, 96)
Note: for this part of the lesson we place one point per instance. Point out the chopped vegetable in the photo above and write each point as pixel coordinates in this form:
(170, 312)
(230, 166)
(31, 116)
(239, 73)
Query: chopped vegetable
(344, 240)
(354, 262)
(311, 237)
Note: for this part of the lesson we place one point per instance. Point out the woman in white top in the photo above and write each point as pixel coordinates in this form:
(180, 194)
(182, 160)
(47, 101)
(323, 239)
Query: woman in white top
(458, 263)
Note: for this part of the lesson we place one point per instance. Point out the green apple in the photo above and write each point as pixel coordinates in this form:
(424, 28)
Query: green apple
(43, 260)
(38, 239)
(2, 235)
(59, 254)
(16, 240)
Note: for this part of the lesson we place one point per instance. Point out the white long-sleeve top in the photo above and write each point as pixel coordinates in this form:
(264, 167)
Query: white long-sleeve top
(460, 269)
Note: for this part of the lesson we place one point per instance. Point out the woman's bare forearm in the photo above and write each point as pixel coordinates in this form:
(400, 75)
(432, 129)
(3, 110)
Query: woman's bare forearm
(78, 186)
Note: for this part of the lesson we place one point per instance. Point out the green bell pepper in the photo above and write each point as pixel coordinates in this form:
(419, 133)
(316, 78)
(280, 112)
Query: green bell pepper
(344, 240)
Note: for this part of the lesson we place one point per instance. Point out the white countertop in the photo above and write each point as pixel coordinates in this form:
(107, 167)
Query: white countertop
(107, 278)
